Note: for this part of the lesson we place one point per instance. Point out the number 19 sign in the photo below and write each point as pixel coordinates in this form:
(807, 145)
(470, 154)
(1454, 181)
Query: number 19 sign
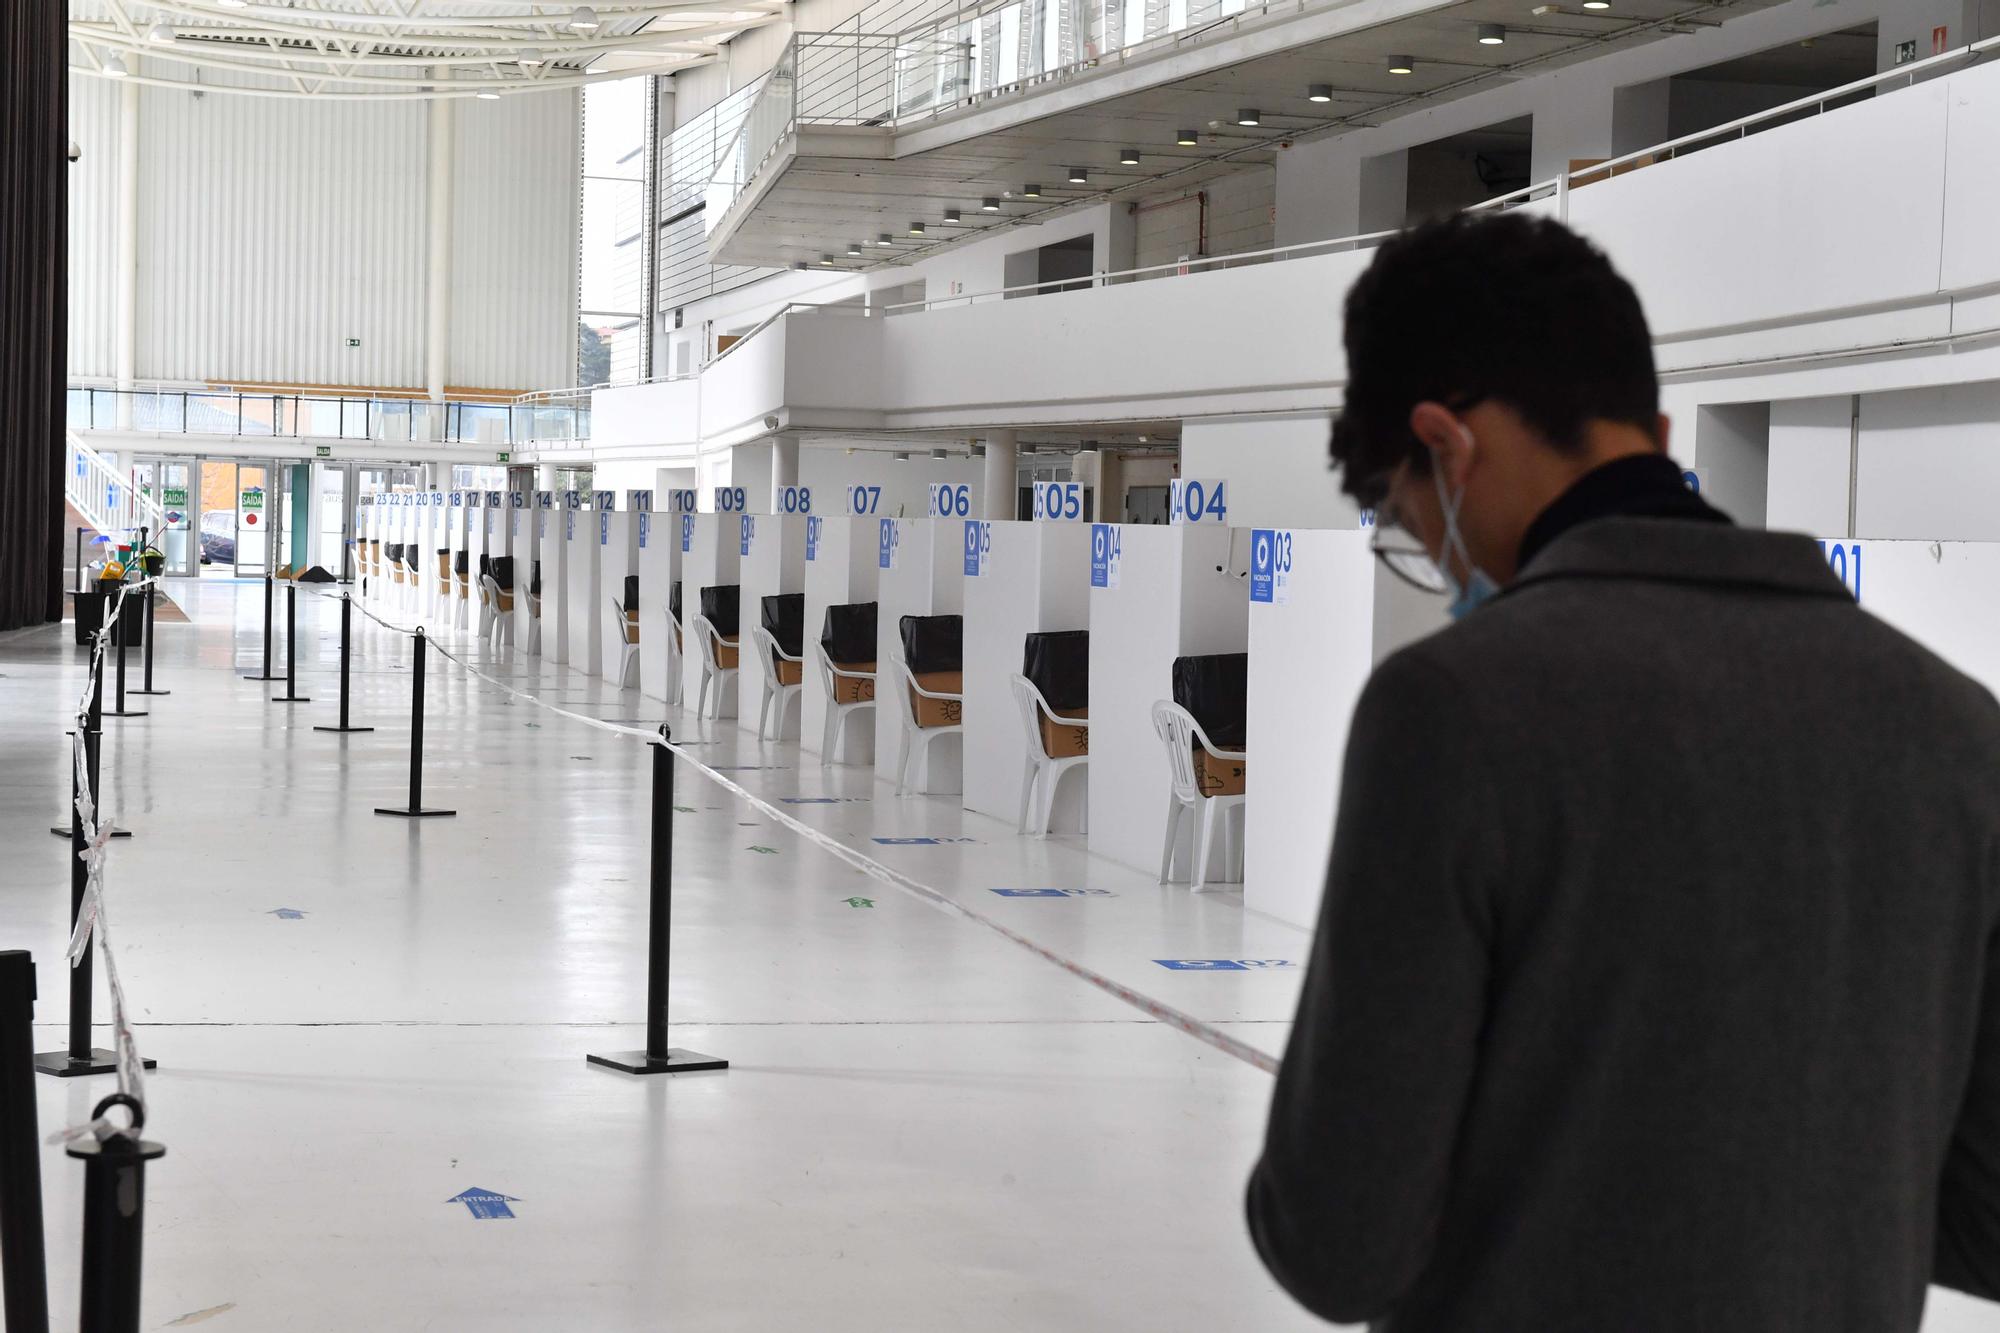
(1191, 500)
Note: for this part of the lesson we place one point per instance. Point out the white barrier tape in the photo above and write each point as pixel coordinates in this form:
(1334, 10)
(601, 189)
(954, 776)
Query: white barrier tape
(1158, 1010)
(92, 922)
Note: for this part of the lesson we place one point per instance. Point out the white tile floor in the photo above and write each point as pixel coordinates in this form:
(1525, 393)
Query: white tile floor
(923, 1127)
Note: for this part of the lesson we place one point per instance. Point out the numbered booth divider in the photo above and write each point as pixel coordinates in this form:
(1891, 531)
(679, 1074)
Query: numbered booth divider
(618, 554)
(585, 587)
(713, 559)
(772, 551)
(841, 568)
(657, 551)
(1322, 614)
(430, 523)
(515, 527)
(1156, 594)
(465, 589)
(563, 512)
(1021, 578)
(920, 571)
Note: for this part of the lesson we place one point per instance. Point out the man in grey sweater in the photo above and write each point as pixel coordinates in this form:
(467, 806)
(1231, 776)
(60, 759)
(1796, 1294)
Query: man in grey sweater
(1657, 983)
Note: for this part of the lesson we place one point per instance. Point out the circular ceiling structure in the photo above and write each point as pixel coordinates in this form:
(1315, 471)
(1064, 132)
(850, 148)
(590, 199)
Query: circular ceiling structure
(397, 49)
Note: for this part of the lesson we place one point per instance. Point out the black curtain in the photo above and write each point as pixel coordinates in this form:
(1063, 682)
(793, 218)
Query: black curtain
(34, 293)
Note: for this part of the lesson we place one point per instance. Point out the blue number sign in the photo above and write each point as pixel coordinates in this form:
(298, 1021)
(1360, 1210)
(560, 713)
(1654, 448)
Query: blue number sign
(1270, 566)
(1059, 501)
(1192, 500)
(1106, 543)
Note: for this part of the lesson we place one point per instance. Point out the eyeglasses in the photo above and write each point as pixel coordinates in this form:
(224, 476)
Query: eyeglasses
(1402, 555)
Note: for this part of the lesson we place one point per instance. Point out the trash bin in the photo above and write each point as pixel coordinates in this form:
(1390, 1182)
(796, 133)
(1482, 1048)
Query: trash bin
(934, 647)
(1057, 662)
(722, 603)
(1216, 692)
(848, 635)
(131, 625)
(631, 593)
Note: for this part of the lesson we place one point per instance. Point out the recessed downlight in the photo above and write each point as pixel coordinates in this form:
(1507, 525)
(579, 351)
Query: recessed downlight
(1128, 157)
(1078, 176)
(1320, 92)
(1250, 117)
(916, 229)
(854, 249)
(885, 240)
(1492, 34)
(1031, 191)
(1187, 138)
(989, 205)
(1402, 65)
(952, 215)
(827, 260)
(1597, 4)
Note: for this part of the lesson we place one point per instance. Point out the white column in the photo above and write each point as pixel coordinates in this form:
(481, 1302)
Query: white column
(126, 318)
(784, 462)
(1002, 457)
(438, 260)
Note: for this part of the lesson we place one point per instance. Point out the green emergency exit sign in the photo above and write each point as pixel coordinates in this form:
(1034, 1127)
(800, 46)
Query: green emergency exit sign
(354, 342)
(504, 457)
(322, 451)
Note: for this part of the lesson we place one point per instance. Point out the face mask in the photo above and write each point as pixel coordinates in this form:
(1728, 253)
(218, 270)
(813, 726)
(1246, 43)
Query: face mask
(1478, 588)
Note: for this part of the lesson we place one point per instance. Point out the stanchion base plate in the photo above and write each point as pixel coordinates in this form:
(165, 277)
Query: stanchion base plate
(124, 712)
(101, 1061)
(149, 691)
(249, 678)
(63, 832)
(677, 1061)
(324, 727)
(290, 699)
(411, 814)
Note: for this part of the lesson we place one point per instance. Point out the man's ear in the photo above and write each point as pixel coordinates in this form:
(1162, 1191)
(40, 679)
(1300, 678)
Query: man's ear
(1449, 442)
(1664, 431)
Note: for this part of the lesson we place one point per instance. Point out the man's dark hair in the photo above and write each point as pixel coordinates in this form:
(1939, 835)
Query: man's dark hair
(1505, 307)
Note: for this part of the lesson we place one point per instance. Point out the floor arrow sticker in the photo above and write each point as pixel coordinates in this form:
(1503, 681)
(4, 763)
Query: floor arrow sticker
(485, 1204)
(768, 851)
(859, 902)
(286, 914)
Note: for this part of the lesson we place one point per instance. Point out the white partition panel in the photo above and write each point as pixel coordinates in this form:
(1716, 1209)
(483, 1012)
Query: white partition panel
(772, 548)
(618, 554)
(459, 518)
(713, 558)
(433, 510)
(583, 531)
(1033, 576)
(1310, 654)
(657, 539)
(1938, 593)
(558, 517)
(478, 521)
(1177, 595)
(920, 571)
(518, 544)
(841, 568)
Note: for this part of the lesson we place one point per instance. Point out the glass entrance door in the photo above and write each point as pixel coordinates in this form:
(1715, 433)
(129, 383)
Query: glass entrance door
(332, 513)
(256, 516)
(170, 481)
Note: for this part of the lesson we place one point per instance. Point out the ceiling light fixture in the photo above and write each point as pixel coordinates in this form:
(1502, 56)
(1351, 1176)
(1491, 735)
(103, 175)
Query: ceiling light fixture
(1492, 34)
(1597, 4)
(1078, 176)
(1031, 191)
(231, 4)
(584, 19)
(114, 68)
(854, 249)
(1187, 138)
(1402, 65)
(799, 266)
(161, 32)
(487, 96)
(1249, 117)
(989, 205)
(952, 215)
(1129, 156)
(885, 240)
(1320, 92)
(530, 57)
(826, 260)
(916, 229)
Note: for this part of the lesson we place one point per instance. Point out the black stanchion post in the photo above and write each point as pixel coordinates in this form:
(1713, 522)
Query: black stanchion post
(659, 1057)
(266, 673)
(94, 728)
(118, 637)
(346, 625)
(416, 810)
(114, 1221)
(23, 1261)
(148, 677)
(291, 694)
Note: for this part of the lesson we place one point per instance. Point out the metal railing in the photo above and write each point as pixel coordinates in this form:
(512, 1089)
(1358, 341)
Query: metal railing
(176, 410)
(103, 494)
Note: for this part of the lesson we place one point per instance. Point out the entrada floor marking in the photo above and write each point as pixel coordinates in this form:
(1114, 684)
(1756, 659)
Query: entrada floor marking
(1055, 893)
(1222, 964)
(485, 1205)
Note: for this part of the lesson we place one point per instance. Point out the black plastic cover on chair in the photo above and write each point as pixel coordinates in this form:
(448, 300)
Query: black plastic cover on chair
(674, 602)
(459, 564)
(1216, 691)
(535, 580)
(723, 605)
(631, 592)
(933, 643)
(848, 634)
(503, 572)
(1057, 662)
(784, 618)
(394, 550)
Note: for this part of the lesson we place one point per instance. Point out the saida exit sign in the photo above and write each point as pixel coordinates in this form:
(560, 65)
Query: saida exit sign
(322, 451)
(354, 342)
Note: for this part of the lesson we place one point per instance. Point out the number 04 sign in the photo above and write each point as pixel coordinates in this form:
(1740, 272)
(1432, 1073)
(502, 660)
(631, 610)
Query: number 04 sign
(1191, 500)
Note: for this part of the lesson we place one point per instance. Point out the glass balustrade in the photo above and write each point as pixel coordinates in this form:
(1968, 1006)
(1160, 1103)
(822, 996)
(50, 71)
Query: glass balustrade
(546, 419)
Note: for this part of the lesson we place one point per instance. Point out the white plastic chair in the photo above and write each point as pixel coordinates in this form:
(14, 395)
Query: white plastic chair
(1044, 773)
(534, 622)
(441, 594)
(628, 639)
(487, 610)
(778, 696)
(916, 741)
(837, 713)
(464, 582)
(1180, 733)
(676, 655)
(712, 670)
(502, 629)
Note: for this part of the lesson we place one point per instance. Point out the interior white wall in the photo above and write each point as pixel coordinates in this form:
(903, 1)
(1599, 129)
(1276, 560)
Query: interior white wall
(552, 516)
(842, 571)
(926, 579)
(775, 564)
(713, 558)
(1929, 464)
(586, 539)
(272, 230)
(829, 469)
(1276, 466)
(1811, 456)
(1732, 444)
(659, 559)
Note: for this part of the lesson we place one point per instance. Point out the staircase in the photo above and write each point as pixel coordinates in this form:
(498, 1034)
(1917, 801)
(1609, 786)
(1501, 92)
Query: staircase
(101, 496)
